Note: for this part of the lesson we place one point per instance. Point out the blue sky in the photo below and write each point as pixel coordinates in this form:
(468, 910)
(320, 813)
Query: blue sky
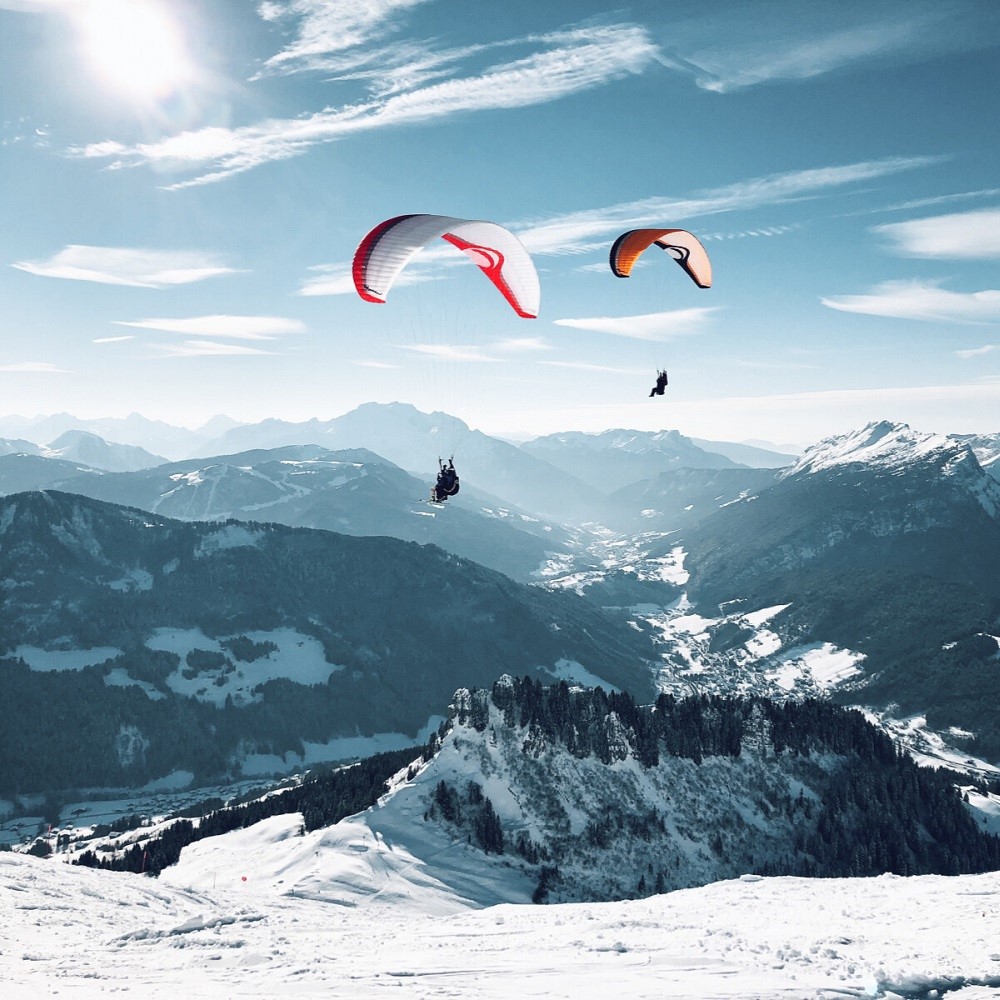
(186, 182)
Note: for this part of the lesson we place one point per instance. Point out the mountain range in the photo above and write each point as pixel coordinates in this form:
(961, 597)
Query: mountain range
(874, 550)
(87, 449)
(135, 645)
(351, 491)
(414, 440)
(885, 542)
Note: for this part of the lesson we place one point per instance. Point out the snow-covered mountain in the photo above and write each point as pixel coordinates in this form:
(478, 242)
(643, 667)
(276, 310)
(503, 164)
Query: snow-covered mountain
(882, 496)
(887, 446)
(883, 543)
(986, 448)
(134, 644)
(351, 491)
(18, 446)
(567, 793)
(867, 574)
(501, 811)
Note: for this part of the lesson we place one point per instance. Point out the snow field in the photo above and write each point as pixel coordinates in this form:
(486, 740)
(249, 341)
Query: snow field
(77, 933)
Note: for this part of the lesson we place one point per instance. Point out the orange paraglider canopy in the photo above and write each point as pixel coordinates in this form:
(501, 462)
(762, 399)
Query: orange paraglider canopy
(684, 247)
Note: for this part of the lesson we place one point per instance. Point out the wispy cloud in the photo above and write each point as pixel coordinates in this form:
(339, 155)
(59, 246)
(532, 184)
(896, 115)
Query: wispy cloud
(238, 327)
(961, 236)
(375, 364)
(584, 231)
(744, 234)
(759, 44)
(922, 301)
(567, 62)
(941, 199)
(329, 27)
(32, 366)
(451, 352)
(590, 230)
(336, 279)
(975, 352)
(205, 348)
(650, 326)
(518, 344)
(127, 266)
(726, 70)
(330, 279)
(112, 340)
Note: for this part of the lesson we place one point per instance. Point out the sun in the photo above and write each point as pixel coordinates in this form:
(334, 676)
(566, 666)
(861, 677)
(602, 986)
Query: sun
(135, 45)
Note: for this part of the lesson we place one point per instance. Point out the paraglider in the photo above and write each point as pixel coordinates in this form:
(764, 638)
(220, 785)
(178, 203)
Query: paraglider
(683, 246)
(388, 248)
(447, 484)
(501, 256)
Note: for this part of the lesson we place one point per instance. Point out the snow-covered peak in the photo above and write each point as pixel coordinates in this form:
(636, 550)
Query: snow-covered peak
(880, 444)
(986, 448)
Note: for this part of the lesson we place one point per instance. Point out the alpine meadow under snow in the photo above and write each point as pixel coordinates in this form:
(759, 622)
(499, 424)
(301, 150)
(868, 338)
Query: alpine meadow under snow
(500, 501)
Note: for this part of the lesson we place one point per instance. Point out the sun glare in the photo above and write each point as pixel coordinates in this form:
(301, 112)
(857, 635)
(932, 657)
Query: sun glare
(135, 45)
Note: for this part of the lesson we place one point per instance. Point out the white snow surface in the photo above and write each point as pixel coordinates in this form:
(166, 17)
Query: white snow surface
(299, 657)
(341, 748)
(823, 663)
(376, 925)
(881, 443)
(47, 660)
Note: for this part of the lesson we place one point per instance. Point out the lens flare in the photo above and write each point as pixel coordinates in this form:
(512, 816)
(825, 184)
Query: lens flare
(136, 46)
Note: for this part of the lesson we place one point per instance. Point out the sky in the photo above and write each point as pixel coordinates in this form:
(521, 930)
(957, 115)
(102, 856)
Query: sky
(186, 185)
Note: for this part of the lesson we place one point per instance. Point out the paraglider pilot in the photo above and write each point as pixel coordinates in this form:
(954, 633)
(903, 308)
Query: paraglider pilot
(447, 484)
(661, 383)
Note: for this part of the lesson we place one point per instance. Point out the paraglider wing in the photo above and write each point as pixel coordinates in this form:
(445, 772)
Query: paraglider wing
(387, 249)
(683, 246)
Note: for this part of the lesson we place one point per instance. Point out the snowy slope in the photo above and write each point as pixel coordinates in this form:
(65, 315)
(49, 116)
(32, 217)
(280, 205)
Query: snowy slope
(896, 449)
(389, 901)
(884, 444)
(78, 934)
(986, 448)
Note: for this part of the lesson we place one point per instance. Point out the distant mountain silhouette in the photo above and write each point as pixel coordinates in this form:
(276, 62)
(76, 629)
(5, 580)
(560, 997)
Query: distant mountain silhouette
(614, 459)
(352, 491)
(94, 451)
(414, 441)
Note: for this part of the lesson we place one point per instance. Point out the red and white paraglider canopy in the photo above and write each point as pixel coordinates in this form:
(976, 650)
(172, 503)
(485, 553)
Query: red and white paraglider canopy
(387, 249)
